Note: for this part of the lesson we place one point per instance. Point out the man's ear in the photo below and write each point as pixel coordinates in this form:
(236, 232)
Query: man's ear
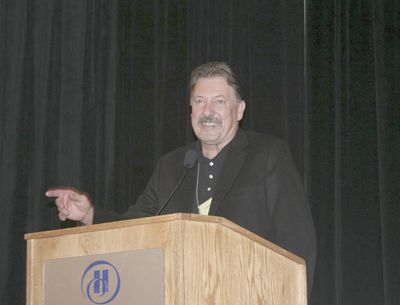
(240, 109)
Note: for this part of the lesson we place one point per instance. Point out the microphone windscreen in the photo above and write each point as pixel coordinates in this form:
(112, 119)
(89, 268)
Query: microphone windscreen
(190, 158)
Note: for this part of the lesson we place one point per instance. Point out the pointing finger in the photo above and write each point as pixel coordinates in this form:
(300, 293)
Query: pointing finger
(56, 192)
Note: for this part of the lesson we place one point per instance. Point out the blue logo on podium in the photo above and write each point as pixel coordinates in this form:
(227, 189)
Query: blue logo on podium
(100, 282)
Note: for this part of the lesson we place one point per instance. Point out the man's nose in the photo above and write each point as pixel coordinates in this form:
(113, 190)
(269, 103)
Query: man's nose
(208, 108)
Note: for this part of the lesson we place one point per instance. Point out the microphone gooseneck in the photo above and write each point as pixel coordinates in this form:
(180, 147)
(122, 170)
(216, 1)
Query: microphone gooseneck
(188, 162)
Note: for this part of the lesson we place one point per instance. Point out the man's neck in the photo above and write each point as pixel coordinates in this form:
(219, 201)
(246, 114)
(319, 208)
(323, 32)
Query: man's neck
(210, 151)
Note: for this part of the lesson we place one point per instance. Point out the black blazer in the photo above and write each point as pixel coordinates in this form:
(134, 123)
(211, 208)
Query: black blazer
(258, 188)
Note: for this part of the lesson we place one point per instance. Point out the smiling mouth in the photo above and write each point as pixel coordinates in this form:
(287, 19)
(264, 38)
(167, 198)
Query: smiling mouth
(209, 124)
(209, 121)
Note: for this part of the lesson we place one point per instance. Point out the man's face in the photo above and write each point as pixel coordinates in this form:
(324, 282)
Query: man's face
(215, 111)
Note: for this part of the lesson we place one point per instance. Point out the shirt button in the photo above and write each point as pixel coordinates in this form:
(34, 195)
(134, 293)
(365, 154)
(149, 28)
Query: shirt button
(211, 163)
(210, 176)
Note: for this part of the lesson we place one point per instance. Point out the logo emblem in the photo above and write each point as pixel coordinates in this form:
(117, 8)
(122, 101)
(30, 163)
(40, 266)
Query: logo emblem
(100, 282)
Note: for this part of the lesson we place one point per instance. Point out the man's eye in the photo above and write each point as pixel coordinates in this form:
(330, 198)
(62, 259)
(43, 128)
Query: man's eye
(198, 101)
(220, 101)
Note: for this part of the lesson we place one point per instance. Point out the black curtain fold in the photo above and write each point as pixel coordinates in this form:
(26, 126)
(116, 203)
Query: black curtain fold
(93, 92)
(354, 134)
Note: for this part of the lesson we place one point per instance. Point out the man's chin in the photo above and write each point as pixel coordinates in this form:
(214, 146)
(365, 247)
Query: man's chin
(208, 139)
(209, 133)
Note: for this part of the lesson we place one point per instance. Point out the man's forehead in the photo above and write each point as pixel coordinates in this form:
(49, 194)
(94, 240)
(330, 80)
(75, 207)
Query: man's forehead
(212, 86)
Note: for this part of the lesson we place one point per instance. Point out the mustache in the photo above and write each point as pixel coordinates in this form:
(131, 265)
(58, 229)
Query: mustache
(209, 119)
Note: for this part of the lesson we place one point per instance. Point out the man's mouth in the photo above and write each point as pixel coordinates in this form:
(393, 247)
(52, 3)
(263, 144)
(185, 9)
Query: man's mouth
(209, 121)
(208, 124)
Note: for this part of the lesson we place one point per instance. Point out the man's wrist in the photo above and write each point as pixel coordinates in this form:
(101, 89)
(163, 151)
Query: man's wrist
(88, 219)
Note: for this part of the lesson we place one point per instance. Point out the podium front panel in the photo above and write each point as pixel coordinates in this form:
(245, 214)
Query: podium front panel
(133, 277)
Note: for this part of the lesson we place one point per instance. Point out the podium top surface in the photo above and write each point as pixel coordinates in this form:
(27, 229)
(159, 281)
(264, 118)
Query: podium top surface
(221, 221)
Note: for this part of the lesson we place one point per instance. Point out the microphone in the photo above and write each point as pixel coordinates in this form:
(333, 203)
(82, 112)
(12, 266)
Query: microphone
(188, 162)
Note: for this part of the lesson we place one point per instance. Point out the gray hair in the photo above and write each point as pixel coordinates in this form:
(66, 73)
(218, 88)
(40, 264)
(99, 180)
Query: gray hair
(213, 69)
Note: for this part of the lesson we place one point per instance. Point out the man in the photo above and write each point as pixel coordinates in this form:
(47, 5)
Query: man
(245, 177)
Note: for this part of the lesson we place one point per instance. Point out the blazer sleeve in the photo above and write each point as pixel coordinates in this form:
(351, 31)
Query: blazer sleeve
(146, 205)
(289, 208)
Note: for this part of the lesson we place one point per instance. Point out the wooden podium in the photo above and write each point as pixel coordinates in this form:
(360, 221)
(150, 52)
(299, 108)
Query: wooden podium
(200, 260)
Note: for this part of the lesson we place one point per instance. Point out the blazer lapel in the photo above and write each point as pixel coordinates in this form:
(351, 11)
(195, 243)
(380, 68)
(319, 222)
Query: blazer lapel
(232, 164)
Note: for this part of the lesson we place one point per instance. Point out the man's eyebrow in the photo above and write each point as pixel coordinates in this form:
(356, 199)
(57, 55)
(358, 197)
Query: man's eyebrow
(213, 97)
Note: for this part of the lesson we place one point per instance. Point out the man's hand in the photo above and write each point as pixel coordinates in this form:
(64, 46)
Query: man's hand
(72, 204)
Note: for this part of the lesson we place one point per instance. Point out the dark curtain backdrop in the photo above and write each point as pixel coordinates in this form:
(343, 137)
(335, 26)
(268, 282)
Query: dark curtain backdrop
(93, 92)
(354, 69)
